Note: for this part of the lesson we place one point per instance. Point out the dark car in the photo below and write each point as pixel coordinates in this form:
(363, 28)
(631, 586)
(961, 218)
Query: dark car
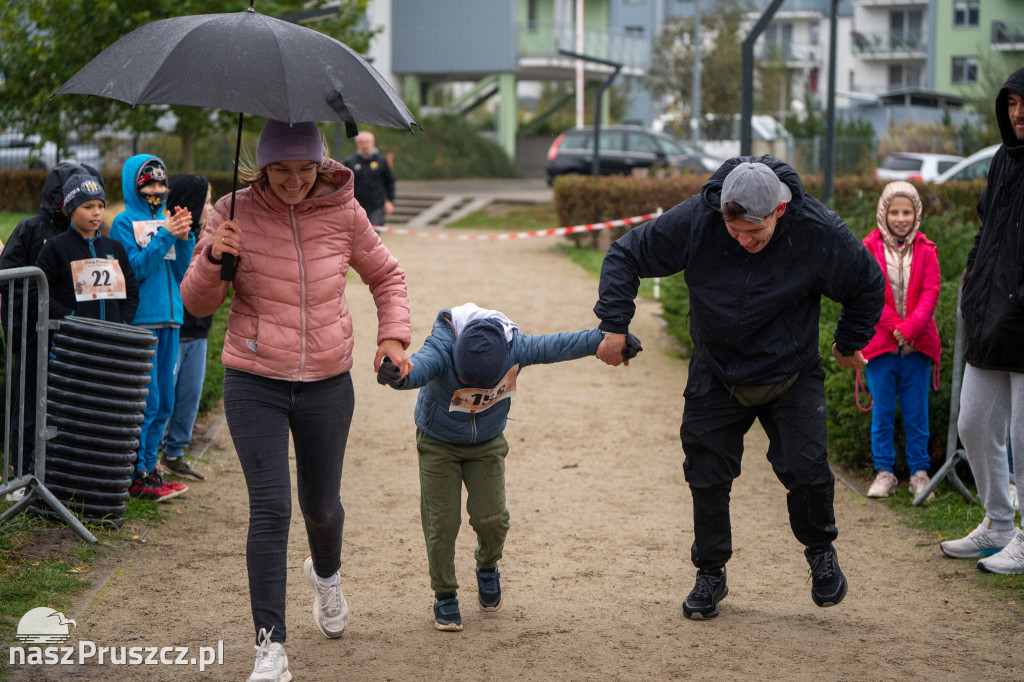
(623, 148)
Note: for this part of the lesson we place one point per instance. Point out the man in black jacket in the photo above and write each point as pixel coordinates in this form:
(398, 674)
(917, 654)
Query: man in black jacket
(992, 303)
(758, 254)
(374, 183)
(21, 250)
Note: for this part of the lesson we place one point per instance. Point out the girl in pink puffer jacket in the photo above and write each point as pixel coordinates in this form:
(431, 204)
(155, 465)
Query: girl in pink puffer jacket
(297, 230)
(906, 346)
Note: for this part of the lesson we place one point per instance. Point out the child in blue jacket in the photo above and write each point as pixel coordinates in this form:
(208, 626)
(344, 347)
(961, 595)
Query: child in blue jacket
(466, 372)
(159, 248)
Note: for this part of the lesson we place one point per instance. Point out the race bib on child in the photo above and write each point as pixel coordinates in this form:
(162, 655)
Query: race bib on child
(144, 231)
(97, 278)
(473, 400)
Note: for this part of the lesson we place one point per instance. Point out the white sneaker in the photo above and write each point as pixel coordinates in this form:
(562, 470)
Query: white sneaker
(329, 608)
(1010, 560)
(885, 483)
(19, 495)
(982, 541)
(918, 482)
(271, 661)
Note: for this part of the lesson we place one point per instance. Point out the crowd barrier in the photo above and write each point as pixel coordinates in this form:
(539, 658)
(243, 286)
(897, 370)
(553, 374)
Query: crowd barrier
(20, 401)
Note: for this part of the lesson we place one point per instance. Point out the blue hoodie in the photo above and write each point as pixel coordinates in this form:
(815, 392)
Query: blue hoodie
(159, 278)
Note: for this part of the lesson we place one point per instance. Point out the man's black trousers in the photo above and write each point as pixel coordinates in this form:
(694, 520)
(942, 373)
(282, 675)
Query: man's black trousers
(714, 424)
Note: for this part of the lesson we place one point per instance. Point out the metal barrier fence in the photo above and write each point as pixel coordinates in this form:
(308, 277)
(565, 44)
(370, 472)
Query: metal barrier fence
(20, 337)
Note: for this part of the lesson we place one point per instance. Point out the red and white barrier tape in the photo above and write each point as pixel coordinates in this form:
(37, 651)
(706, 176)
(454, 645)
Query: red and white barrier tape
(636, 220)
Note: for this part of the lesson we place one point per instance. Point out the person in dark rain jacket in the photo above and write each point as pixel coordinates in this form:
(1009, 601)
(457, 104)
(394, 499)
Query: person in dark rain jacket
(758, 254)
(992, 303)
(22, 249)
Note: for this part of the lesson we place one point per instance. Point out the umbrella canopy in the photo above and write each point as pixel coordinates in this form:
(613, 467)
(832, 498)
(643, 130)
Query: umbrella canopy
(245, 62)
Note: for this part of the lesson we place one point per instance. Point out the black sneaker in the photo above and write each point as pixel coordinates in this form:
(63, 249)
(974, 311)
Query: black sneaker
(488, 585)
(446, 613)
(828, 584)
(710, 589)
(179, 466)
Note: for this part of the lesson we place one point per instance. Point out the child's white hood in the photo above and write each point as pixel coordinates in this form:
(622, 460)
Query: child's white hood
(466, 313)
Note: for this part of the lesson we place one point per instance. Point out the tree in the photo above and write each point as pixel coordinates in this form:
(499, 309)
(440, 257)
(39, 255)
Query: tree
(45, 42)
(670, 74)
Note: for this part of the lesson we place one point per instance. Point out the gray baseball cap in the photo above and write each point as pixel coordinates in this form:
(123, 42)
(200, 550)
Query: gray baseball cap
(756, 188)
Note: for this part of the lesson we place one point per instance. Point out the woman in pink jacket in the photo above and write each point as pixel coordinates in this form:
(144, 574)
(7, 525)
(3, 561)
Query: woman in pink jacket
(288, 351)
(906, 341)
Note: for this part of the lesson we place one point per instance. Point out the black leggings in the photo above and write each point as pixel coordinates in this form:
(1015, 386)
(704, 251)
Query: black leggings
(260, 413)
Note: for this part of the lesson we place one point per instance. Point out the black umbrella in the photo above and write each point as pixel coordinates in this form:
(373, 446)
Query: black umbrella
(245, 62)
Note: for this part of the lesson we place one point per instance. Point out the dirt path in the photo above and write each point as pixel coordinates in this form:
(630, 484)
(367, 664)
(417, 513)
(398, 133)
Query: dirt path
(597, 561)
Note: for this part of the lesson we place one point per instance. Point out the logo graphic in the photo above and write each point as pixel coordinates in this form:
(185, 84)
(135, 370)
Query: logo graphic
(43, 625)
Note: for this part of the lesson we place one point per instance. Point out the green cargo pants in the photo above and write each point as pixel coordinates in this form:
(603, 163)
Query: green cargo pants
(443, 468)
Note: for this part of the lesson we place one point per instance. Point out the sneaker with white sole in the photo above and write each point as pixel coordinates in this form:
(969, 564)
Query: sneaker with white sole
(980, 542)
(447, 617)
(1008, 561)
(918, 482)
(1013, 496)
(330, 611)
(271, 661)
(884, 484)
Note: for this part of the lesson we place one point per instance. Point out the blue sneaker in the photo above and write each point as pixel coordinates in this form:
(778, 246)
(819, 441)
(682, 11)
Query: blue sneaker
(488, 584)
(446, 613)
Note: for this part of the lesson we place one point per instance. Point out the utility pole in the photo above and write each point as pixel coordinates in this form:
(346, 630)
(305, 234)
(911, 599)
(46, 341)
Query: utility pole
(695, 115)
(580, 87)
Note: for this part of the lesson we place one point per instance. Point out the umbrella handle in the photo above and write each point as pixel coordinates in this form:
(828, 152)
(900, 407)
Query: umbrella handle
(227, 267)
(227, 263)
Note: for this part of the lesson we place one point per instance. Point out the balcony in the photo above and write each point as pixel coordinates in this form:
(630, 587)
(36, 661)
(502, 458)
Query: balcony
(891, 3)
(540, 41)
(889, 45)
(794, 54)
(1008, 36)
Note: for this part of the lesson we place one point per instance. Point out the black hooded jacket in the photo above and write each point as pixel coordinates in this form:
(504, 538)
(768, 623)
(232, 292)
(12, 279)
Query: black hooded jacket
(993, 286)
(27, 240)
(189, 191)
(753, 316)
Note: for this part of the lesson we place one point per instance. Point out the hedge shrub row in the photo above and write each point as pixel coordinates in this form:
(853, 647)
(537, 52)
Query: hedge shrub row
(950, 220)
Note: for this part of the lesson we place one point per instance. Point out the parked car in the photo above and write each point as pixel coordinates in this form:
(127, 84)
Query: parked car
(974, 167)
(18, 152)
(623, 148)
(914, 166)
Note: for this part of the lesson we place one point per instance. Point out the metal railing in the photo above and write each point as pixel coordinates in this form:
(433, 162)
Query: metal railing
(18, 332)
(546, 38)
(1008, 35)
(888, 42)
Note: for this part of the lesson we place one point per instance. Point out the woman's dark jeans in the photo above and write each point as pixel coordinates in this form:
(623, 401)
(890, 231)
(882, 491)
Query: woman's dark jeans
(260, 412)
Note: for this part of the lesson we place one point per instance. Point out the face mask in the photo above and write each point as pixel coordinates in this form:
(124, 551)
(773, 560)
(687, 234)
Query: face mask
(155, 201)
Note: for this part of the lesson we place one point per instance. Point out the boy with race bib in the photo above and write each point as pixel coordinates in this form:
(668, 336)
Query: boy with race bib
(160, 248)
(467, 370)
(89, 275)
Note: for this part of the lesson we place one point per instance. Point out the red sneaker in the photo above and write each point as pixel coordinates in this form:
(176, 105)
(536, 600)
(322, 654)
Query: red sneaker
(165, 489)
(142, 488)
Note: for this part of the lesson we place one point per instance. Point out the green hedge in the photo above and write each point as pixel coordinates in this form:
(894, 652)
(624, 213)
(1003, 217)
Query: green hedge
(950, 221)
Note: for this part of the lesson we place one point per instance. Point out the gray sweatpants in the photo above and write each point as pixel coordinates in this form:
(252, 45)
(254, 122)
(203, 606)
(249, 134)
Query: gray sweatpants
(990, 401)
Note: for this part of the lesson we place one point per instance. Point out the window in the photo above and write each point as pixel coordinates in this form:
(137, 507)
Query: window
(613, 141)
(642, 142)
(815, 34)
(904, 76)
(965, 13)
(965, 70)
(635, 31)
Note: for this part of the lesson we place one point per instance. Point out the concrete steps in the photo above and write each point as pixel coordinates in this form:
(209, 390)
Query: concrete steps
(416, 210)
